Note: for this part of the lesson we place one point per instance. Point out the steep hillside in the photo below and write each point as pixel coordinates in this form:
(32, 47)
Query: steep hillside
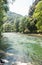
(12, 16)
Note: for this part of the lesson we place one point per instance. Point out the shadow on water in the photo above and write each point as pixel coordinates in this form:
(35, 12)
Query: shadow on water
(3, 47)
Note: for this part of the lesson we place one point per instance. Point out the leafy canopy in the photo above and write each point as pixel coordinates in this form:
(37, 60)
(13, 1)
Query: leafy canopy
(38, 15)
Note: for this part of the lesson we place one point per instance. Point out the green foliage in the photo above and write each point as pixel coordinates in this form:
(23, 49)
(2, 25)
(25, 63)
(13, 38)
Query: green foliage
(7, 27)
(22, 25)
(32, 24)
(16, 25)
(38, 15)
(2, 11)
(32, 8)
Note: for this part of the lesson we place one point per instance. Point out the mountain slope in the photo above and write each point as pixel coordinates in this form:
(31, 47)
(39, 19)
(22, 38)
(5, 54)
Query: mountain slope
(12, 16)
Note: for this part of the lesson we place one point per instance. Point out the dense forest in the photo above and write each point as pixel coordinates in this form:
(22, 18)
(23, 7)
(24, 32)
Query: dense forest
(18, 23)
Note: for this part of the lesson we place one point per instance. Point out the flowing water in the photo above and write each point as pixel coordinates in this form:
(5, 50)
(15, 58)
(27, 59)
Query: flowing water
(21, 48)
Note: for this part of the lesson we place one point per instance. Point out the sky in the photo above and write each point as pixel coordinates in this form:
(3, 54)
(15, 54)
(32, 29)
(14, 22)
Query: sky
(20, 6)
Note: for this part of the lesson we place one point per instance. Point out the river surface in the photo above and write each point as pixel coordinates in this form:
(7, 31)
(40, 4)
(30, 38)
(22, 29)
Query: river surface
(22, 48)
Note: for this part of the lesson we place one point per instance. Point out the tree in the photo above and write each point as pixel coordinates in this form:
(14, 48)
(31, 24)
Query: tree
(7, 27)
(30, 24)
(3, 9)
(32, 8)
(16, 25)
(2, 13)
(22, 24)
(38, 15)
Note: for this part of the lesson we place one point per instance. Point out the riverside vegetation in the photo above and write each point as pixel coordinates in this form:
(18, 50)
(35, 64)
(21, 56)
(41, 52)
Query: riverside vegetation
(21, 47)
(27, 24)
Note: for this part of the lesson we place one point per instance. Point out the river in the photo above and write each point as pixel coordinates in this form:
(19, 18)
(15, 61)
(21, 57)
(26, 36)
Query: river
(22, 49)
